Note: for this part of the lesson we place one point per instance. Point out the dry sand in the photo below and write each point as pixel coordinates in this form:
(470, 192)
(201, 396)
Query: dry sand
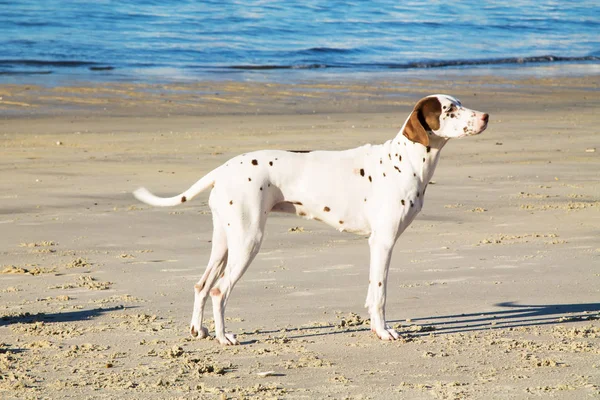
(495, 286)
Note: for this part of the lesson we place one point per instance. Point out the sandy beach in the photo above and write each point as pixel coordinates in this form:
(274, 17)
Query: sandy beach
(495, 287)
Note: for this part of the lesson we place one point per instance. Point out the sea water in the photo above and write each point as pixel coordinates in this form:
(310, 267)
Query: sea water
(172, 40)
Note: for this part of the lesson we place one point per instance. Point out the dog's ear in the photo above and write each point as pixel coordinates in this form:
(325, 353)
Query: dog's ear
(425, 117)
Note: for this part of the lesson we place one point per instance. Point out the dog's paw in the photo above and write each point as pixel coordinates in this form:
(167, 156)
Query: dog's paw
(388, 334)
(198, 334)
(228, 340)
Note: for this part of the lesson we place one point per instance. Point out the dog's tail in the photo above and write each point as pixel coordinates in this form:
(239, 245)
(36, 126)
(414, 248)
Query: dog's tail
(144, 195)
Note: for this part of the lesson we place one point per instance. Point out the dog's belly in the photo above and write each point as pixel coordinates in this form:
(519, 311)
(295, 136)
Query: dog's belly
(340, 220)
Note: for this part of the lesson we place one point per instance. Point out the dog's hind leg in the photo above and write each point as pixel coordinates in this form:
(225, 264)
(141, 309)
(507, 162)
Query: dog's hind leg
(244, 243)
(216, 265)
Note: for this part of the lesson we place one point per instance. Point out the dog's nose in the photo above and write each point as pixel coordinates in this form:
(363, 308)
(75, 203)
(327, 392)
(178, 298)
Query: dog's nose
(485, 117)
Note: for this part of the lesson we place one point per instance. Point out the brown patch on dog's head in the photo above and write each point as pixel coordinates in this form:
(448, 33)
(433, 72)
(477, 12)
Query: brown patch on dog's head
(425, 117)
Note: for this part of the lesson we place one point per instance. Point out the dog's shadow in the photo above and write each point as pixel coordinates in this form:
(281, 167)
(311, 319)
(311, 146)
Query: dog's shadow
(510, 315)
(71, 316)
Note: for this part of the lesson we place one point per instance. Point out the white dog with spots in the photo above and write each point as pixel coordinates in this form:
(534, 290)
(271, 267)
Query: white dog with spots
(374, 190)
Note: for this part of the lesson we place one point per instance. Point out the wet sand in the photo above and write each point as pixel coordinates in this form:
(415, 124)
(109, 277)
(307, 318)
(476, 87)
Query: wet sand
(495, 286)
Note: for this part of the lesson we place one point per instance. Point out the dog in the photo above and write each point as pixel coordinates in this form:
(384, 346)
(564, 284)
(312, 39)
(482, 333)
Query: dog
(374, 190)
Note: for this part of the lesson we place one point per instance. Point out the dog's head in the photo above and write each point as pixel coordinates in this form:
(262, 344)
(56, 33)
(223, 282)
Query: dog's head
(445, 117)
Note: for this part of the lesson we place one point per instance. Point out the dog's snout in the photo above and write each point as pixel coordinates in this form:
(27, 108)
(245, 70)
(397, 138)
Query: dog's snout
(485, 117)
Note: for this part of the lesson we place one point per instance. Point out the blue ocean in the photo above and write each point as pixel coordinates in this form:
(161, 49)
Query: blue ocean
(147, 40)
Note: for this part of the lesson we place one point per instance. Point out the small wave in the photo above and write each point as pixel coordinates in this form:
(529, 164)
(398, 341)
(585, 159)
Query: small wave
(325, 50)
(49, 63)
(270, 67)
(493, 61)
(25, 72)
(102, 68)
(425, 64)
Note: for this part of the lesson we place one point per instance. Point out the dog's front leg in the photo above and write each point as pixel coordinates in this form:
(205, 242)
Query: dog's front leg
(381, 247)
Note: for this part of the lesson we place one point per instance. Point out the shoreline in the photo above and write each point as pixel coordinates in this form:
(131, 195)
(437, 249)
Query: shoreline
(512, 67)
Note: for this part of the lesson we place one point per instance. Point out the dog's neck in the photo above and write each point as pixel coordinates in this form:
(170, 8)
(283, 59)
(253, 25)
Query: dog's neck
(422, 159)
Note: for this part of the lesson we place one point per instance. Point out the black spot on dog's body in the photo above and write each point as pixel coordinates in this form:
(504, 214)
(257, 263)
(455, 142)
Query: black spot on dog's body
(397, 169)
(249, 179)
(402, 202)
(362, 172)
(341, 222)
(183, 199)
(254, 162)
(230, 202)
(326, 209)
(428, 149)
(370, 180)
(271, 163)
